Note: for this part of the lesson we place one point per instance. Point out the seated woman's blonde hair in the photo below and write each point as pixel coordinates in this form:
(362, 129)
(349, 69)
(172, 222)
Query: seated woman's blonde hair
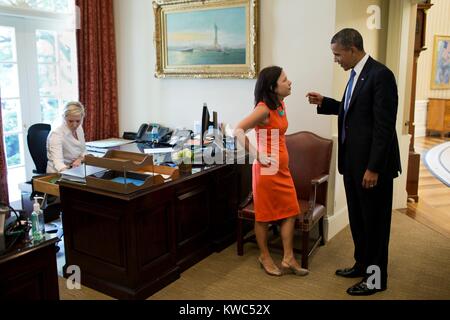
(73, 108)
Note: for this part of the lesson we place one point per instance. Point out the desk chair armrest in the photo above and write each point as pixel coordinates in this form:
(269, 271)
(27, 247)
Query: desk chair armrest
(247, 201)
(320, 179)
(316, 182)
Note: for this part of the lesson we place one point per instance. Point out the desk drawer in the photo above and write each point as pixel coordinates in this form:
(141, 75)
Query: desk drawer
(47, 184)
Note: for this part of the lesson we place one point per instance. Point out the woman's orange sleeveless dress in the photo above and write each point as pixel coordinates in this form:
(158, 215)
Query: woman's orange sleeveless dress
(274, 194)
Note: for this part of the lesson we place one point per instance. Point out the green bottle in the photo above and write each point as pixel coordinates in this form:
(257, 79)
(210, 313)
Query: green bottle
(36, 221)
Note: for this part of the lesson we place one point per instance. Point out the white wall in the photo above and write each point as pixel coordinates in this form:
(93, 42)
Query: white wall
(420, 118)
(294, 34)
(286, 39)
(438, 23)
(399, 58)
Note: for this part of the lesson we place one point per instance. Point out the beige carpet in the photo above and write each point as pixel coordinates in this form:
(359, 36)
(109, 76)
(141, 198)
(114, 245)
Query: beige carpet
(419, 269)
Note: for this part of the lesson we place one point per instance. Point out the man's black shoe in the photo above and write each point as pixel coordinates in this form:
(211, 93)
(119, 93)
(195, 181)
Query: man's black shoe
(361, 289)
(352, 272)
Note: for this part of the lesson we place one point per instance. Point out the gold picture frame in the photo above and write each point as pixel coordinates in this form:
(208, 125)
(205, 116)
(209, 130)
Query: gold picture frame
(440, 77)
(207, 38)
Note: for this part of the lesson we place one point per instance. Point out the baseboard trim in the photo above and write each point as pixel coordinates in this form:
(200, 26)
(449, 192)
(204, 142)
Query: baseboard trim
(336, 223)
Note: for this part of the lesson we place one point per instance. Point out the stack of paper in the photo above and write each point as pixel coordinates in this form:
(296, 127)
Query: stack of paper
(79, 174)
(108, 143)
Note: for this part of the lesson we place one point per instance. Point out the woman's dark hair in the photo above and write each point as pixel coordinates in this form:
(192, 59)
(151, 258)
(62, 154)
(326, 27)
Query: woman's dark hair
(265, 87)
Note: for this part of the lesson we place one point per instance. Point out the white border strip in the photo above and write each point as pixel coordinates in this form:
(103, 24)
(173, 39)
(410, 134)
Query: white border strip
(437, 164)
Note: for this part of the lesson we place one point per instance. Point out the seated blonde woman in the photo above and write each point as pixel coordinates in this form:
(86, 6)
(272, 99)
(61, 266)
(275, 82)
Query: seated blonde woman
(66, 146)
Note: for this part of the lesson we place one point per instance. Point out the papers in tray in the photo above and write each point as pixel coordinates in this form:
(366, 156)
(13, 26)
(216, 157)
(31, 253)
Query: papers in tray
(79, 174)
(158, 150)
(97, 152)
(164, 176)
(108, 143)
(122, 180)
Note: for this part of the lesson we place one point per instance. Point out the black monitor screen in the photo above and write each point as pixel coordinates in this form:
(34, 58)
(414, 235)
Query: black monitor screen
(206, 122)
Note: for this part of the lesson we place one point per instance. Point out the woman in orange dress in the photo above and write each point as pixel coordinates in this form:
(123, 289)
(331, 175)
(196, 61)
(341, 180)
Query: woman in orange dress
(274, 194)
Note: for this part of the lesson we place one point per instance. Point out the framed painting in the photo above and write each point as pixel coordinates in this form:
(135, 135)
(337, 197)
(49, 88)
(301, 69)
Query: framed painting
(441, 63)
(206, 38)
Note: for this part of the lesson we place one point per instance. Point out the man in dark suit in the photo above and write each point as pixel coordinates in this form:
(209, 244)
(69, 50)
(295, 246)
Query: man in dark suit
(368, 156)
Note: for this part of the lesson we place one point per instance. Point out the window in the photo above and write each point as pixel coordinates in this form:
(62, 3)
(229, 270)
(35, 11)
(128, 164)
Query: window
(38, 75)
(57, 6)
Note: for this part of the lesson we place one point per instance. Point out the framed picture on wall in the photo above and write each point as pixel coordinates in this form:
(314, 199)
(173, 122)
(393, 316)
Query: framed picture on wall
(206, 38)
(441, 63)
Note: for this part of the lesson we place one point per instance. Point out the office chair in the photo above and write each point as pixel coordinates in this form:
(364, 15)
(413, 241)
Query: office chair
(37, 145)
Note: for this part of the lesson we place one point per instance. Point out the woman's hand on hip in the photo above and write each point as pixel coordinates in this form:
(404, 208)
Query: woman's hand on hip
(266, 160)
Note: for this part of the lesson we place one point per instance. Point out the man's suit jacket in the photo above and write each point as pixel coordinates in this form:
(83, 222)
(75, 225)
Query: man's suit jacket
(370, 136)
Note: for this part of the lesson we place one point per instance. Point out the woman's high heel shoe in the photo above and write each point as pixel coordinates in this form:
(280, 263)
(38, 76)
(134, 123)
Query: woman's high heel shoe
(276, 273)
(287, 268)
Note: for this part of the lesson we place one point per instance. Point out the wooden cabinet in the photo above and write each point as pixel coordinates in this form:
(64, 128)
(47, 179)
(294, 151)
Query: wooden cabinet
(438, 116)
(28, 272)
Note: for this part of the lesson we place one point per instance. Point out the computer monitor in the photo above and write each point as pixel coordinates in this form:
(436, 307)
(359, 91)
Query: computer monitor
(206, 122)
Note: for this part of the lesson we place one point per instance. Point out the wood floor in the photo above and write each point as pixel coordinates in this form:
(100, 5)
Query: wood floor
(433, 207)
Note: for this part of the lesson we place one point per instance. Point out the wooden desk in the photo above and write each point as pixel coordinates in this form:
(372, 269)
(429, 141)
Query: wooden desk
(28, 271)
(438, 116)
(130, 246)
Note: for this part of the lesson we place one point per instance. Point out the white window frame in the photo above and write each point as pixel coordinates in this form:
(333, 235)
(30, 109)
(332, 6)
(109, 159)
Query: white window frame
(26, 22)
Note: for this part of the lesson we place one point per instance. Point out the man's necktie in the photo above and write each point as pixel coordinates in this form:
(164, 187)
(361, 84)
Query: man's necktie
(348, 97)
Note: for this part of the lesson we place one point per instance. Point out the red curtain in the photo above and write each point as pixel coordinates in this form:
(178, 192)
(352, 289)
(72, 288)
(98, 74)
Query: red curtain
(97, 69)
(3, 166)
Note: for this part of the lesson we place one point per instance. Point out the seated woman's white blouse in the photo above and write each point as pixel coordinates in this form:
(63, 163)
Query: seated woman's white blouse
(63, 148)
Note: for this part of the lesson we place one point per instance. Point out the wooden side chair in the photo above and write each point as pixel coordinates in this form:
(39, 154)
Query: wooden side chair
(309, 163)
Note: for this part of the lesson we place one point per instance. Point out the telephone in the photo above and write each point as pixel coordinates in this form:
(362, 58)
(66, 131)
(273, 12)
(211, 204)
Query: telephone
(141, 132)
(147, 133)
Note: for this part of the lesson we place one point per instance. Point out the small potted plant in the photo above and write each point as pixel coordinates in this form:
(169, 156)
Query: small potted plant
(183, 158)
